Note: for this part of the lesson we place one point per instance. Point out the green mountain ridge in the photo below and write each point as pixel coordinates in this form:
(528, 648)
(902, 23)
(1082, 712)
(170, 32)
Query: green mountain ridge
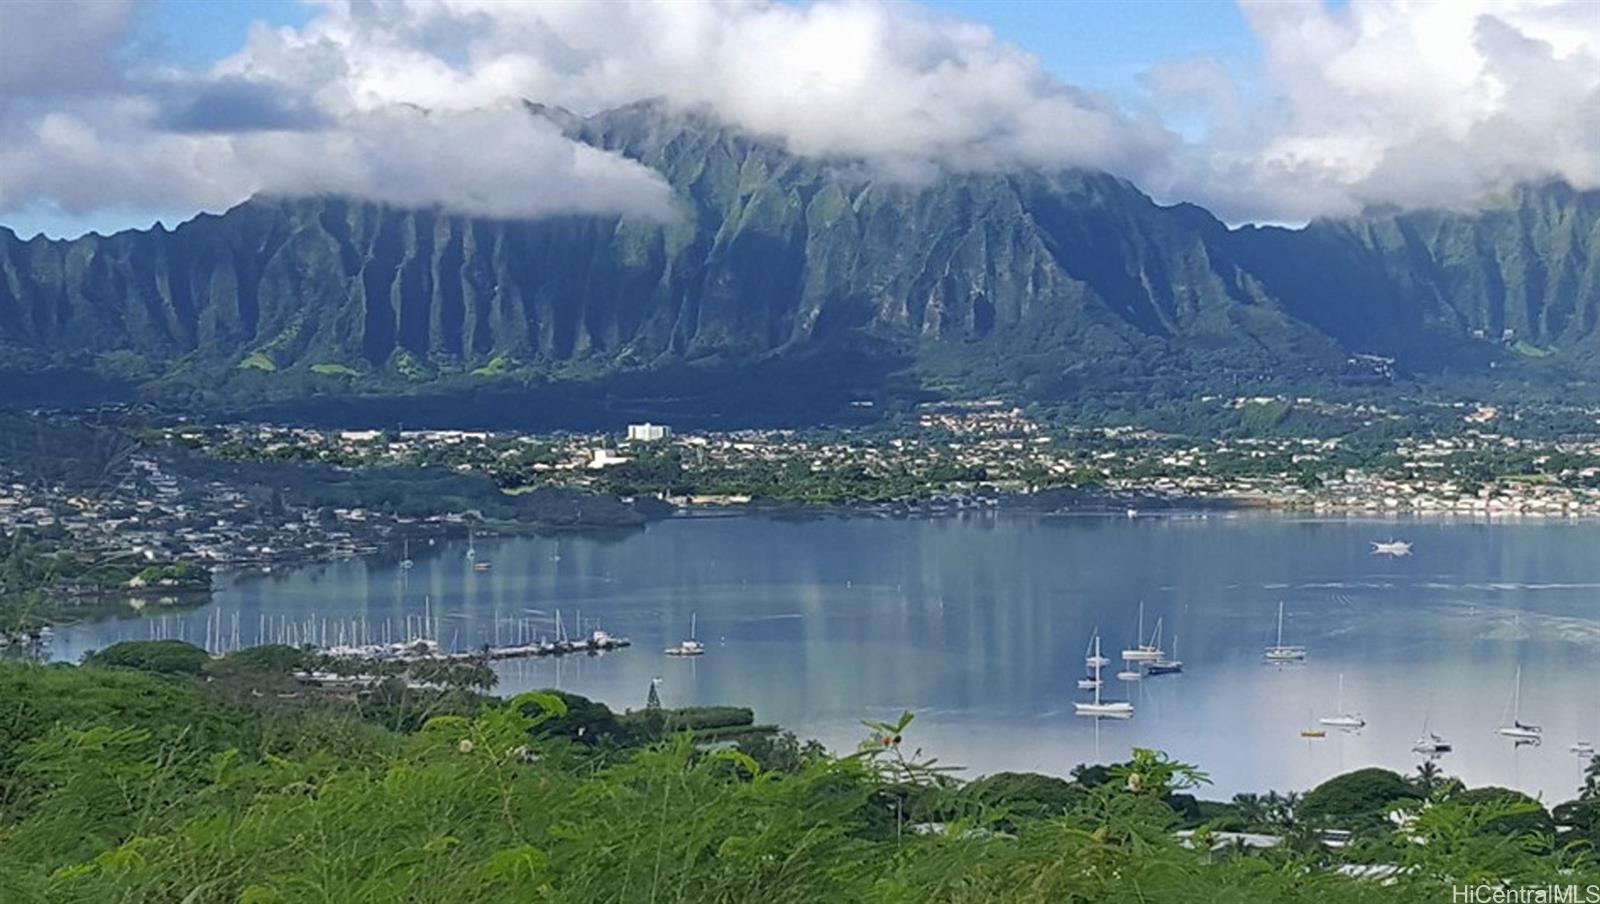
(1039, 284)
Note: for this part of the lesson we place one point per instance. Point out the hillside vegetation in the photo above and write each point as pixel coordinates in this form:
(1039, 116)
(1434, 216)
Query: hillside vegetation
(217, 781)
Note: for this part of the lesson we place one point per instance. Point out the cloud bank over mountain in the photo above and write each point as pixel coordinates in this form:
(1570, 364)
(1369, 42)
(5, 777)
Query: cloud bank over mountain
(416, 103)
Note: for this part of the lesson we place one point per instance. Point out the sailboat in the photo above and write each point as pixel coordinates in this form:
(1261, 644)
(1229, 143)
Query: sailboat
(472, 546)
(1144, 652)
(1166, 665)
(405, 556)
(1091, 655)
(690, 647)
(1340, 718)
(1278, 652)
(1518, 729)
(1429, 743)
(1391, 547)
(1092, 660)
(1101, 707)
(1312, 732)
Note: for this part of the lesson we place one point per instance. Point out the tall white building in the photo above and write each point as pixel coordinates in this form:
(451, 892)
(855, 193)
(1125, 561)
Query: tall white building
(648, 433)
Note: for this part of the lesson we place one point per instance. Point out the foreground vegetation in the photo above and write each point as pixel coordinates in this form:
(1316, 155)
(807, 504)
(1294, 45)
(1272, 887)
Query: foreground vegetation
(169, 777)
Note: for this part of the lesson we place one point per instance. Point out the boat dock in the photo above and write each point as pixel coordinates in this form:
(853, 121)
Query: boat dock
(427, 650)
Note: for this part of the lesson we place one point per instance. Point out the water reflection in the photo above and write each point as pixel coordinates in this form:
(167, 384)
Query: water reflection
(978, 624)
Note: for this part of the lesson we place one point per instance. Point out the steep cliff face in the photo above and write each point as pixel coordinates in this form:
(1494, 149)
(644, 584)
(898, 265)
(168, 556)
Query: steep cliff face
(776, 254)
(1526, 270)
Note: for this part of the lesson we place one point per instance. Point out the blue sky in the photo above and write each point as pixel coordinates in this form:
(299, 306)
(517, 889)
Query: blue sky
(200, 32)
(1107, 44)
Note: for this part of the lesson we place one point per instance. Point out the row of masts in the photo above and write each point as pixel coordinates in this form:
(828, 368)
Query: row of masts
(225, 632)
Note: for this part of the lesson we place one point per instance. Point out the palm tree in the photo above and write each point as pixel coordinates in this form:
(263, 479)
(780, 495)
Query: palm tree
(1252, 811)
(1428, 778)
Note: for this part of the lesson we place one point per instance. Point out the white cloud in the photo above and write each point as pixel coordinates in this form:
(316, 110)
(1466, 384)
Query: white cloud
(884, 81)
(159, 140)
(1369, 102)
(1389, 102)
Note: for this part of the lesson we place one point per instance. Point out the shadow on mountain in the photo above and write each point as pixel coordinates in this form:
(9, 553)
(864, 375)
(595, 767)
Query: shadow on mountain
(824, 388)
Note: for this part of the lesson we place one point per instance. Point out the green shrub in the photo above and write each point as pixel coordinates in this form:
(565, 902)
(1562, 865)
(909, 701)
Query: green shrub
(166, 656)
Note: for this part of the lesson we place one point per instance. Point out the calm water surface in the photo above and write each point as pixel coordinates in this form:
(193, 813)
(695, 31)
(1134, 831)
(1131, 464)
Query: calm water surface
(979, 624)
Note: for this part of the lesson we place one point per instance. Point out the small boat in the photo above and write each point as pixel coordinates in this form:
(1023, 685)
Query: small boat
(1340, 718)
(1429, 743)
(1279, 652)
(1391, 547)
(1088, 683)
(1312, 731)
(1130, 675)
(1091, 658)
(481, 566)
(1144, 652)
(1166, 665)
(690, 647)
(405, 556)
(1582, 748)
(1101, 707)
(1519, 730)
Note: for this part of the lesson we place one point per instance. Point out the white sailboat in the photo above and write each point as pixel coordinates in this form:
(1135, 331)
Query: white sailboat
(1144, 652)
(1391, 547)
(472, 546)
(1341, 718)
(1099, 706)
(1091, 655)
(1429, 743)
(1279, 652)
(405, 555)
(690, 647)
(1092, 660)
(1166, 665)
(1519, 730)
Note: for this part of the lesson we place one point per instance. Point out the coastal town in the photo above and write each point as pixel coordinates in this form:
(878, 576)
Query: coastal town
(178, 501)
(978, 450)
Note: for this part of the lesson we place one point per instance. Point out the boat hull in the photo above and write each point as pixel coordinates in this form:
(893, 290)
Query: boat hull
(1103, 709)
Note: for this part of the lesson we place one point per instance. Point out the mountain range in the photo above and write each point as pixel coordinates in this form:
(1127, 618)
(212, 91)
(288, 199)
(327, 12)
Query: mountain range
(781, 268)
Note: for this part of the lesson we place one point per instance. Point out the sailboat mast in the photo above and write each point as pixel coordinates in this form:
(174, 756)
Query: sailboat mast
(1097, 667)
(1280, 623)
(1516, 698)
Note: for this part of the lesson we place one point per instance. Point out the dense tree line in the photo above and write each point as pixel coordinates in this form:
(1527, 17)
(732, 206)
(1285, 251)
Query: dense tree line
(158, 775)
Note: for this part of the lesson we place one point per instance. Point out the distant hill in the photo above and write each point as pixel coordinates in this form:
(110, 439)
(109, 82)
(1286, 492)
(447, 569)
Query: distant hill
(1044, 285)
